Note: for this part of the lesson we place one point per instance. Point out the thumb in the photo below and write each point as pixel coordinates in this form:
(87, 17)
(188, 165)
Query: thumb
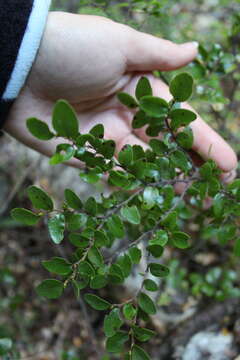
(145, 52)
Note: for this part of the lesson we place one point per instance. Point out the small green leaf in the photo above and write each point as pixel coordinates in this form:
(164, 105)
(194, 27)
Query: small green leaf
(5, 346)
(143, 88)
(181, 117)
(50, 288)
(40, 198)
(58, 266)
(218, 205)
(101, 238)
(142, 334)
(140, 119)
(91, 206)
(160, 238)
(85, 269)
(95, 257)
(206, 171)
(39, 129)
(98, 282)
(125, 264)
(127, 100)
(115, 343)
(158, 146)
(56, 226)
(64, 120)
(180, 239)
(115, 226)
(129, 311)
(96, 302)
(154, 106)
(25, 216)
(75, 221)
(112, 323)
(236, 249)
(150, 285)
(131, 214)
(155, 250)
(107, 149)
(64, 152)
(118, 178)
(158, 270)
(185, 138)
(135, 255)
(97, 131)
(125, 156)
(181, 87)
(72, 199)
(146, 304)
(139, 354)
(150, 196)
(180, 160)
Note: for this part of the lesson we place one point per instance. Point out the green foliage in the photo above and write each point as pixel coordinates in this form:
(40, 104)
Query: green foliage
(144, 211)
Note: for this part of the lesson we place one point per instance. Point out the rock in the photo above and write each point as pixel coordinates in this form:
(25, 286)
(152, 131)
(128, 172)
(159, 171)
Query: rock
(209, 346)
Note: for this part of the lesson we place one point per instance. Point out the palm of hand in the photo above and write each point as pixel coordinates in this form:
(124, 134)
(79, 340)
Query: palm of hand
(89, 76)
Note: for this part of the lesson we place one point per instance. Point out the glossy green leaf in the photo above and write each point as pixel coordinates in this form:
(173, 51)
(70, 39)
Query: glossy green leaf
(139, 354)
(115, 226)
(154, 106)
(180, 239)
(112, 323)
(158, 270)
(160, 238)
(143, 88)
(39, 198)
(115, 343)
(181, 117)
(58, 266)
(50, 288)
(142, 334)
(150, 285)
(181, 87)
(185, 138)
(135, 255)
(98, 282)
(129, 311)
(56, 226)
(86, 269)
(24, 216)
(97, 131)
(131, 214)
(127, 100)
(146, 304)
(150, 196)
(155, 250)
(180, 160)
(139, 120)
(64, 152)
(73, 201)
(158, 146)
(75, 221)
(64, 120)
(96, 302)
(95, 256)
(236, 249)
(39, 129)
(125, 156)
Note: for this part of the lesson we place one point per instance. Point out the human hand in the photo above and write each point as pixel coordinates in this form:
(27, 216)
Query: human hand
(87, 60)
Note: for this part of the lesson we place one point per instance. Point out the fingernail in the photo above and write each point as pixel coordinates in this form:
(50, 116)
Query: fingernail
(196, 44)
(229, 176)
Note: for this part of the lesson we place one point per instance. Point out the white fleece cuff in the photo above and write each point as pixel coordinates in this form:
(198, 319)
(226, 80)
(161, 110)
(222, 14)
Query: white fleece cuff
(28, 49)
